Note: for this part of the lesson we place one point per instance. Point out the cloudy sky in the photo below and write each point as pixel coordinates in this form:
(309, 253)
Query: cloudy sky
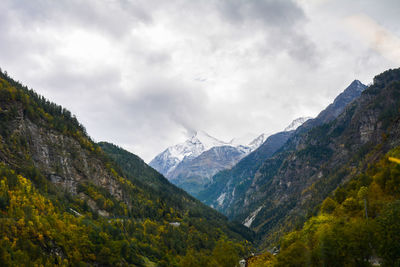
(145, 74)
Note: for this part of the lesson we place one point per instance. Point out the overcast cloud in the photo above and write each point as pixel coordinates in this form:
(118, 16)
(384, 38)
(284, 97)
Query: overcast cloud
(145, 74)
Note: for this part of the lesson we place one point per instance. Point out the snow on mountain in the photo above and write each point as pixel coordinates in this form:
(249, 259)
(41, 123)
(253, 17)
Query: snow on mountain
(296, 123)
(166, 161)
(257, 142)
(244, 139)
(249, 220)
(207, 140)
(200, 142)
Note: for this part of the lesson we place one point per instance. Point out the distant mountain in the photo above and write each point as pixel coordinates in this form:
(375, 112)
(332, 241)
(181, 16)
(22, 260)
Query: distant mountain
(191, 164)
(257, 142)
(167, 161)
(193, 173)
(296, 124)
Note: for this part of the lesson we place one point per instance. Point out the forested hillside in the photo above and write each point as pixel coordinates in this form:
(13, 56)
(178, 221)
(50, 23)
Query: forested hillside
(357, 225)
(63, 201)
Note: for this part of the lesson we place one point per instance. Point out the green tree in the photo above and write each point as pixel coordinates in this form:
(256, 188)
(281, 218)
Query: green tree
(389, 234)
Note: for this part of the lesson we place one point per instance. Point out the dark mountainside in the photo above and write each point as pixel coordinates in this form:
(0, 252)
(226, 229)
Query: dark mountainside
(233, 183)
(289, 186)
(234, 179)
(64, 201)
(135, 168)
(332, 111)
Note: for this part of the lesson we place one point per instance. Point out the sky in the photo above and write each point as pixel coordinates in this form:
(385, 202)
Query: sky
(147, 74)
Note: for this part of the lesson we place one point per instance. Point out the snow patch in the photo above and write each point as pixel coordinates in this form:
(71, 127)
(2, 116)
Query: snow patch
(221, 199)
(249, 220)
(257, 142)
(296, 123)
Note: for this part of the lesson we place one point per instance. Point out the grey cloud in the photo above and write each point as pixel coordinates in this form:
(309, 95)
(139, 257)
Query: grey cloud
(281, 22)
(165, 100)
(157, 58)
(250, 57)
(272, 13)
(114, 18)
(150, 119)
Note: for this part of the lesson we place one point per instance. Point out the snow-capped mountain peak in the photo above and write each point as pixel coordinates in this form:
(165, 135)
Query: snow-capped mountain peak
(296, 123)
(207, 140)
(199, 142)
(253, 145)
(244, 139)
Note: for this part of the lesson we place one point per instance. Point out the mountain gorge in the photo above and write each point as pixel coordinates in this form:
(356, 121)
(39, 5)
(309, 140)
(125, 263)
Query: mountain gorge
(65, 200)
(245, 192)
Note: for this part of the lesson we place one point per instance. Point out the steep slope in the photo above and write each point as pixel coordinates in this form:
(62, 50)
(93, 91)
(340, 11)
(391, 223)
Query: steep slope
(63, 201)
(226, 184)
(331, 112)
(257, 142)
(312, 164)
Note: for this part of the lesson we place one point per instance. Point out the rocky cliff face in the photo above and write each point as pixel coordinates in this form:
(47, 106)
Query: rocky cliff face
(61, 158)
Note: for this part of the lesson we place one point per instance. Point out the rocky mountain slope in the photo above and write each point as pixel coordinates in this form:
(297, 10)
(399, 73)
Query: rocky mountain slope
(356, 225)
(289, 186)
(221, 190)
(331, 112)
(227, 183)
(64, 201)
(191, 165)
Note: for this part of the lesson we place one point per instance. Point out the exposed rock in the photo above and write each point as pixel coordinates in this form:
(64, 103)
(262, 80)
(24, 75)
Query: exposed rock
(59, 157)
